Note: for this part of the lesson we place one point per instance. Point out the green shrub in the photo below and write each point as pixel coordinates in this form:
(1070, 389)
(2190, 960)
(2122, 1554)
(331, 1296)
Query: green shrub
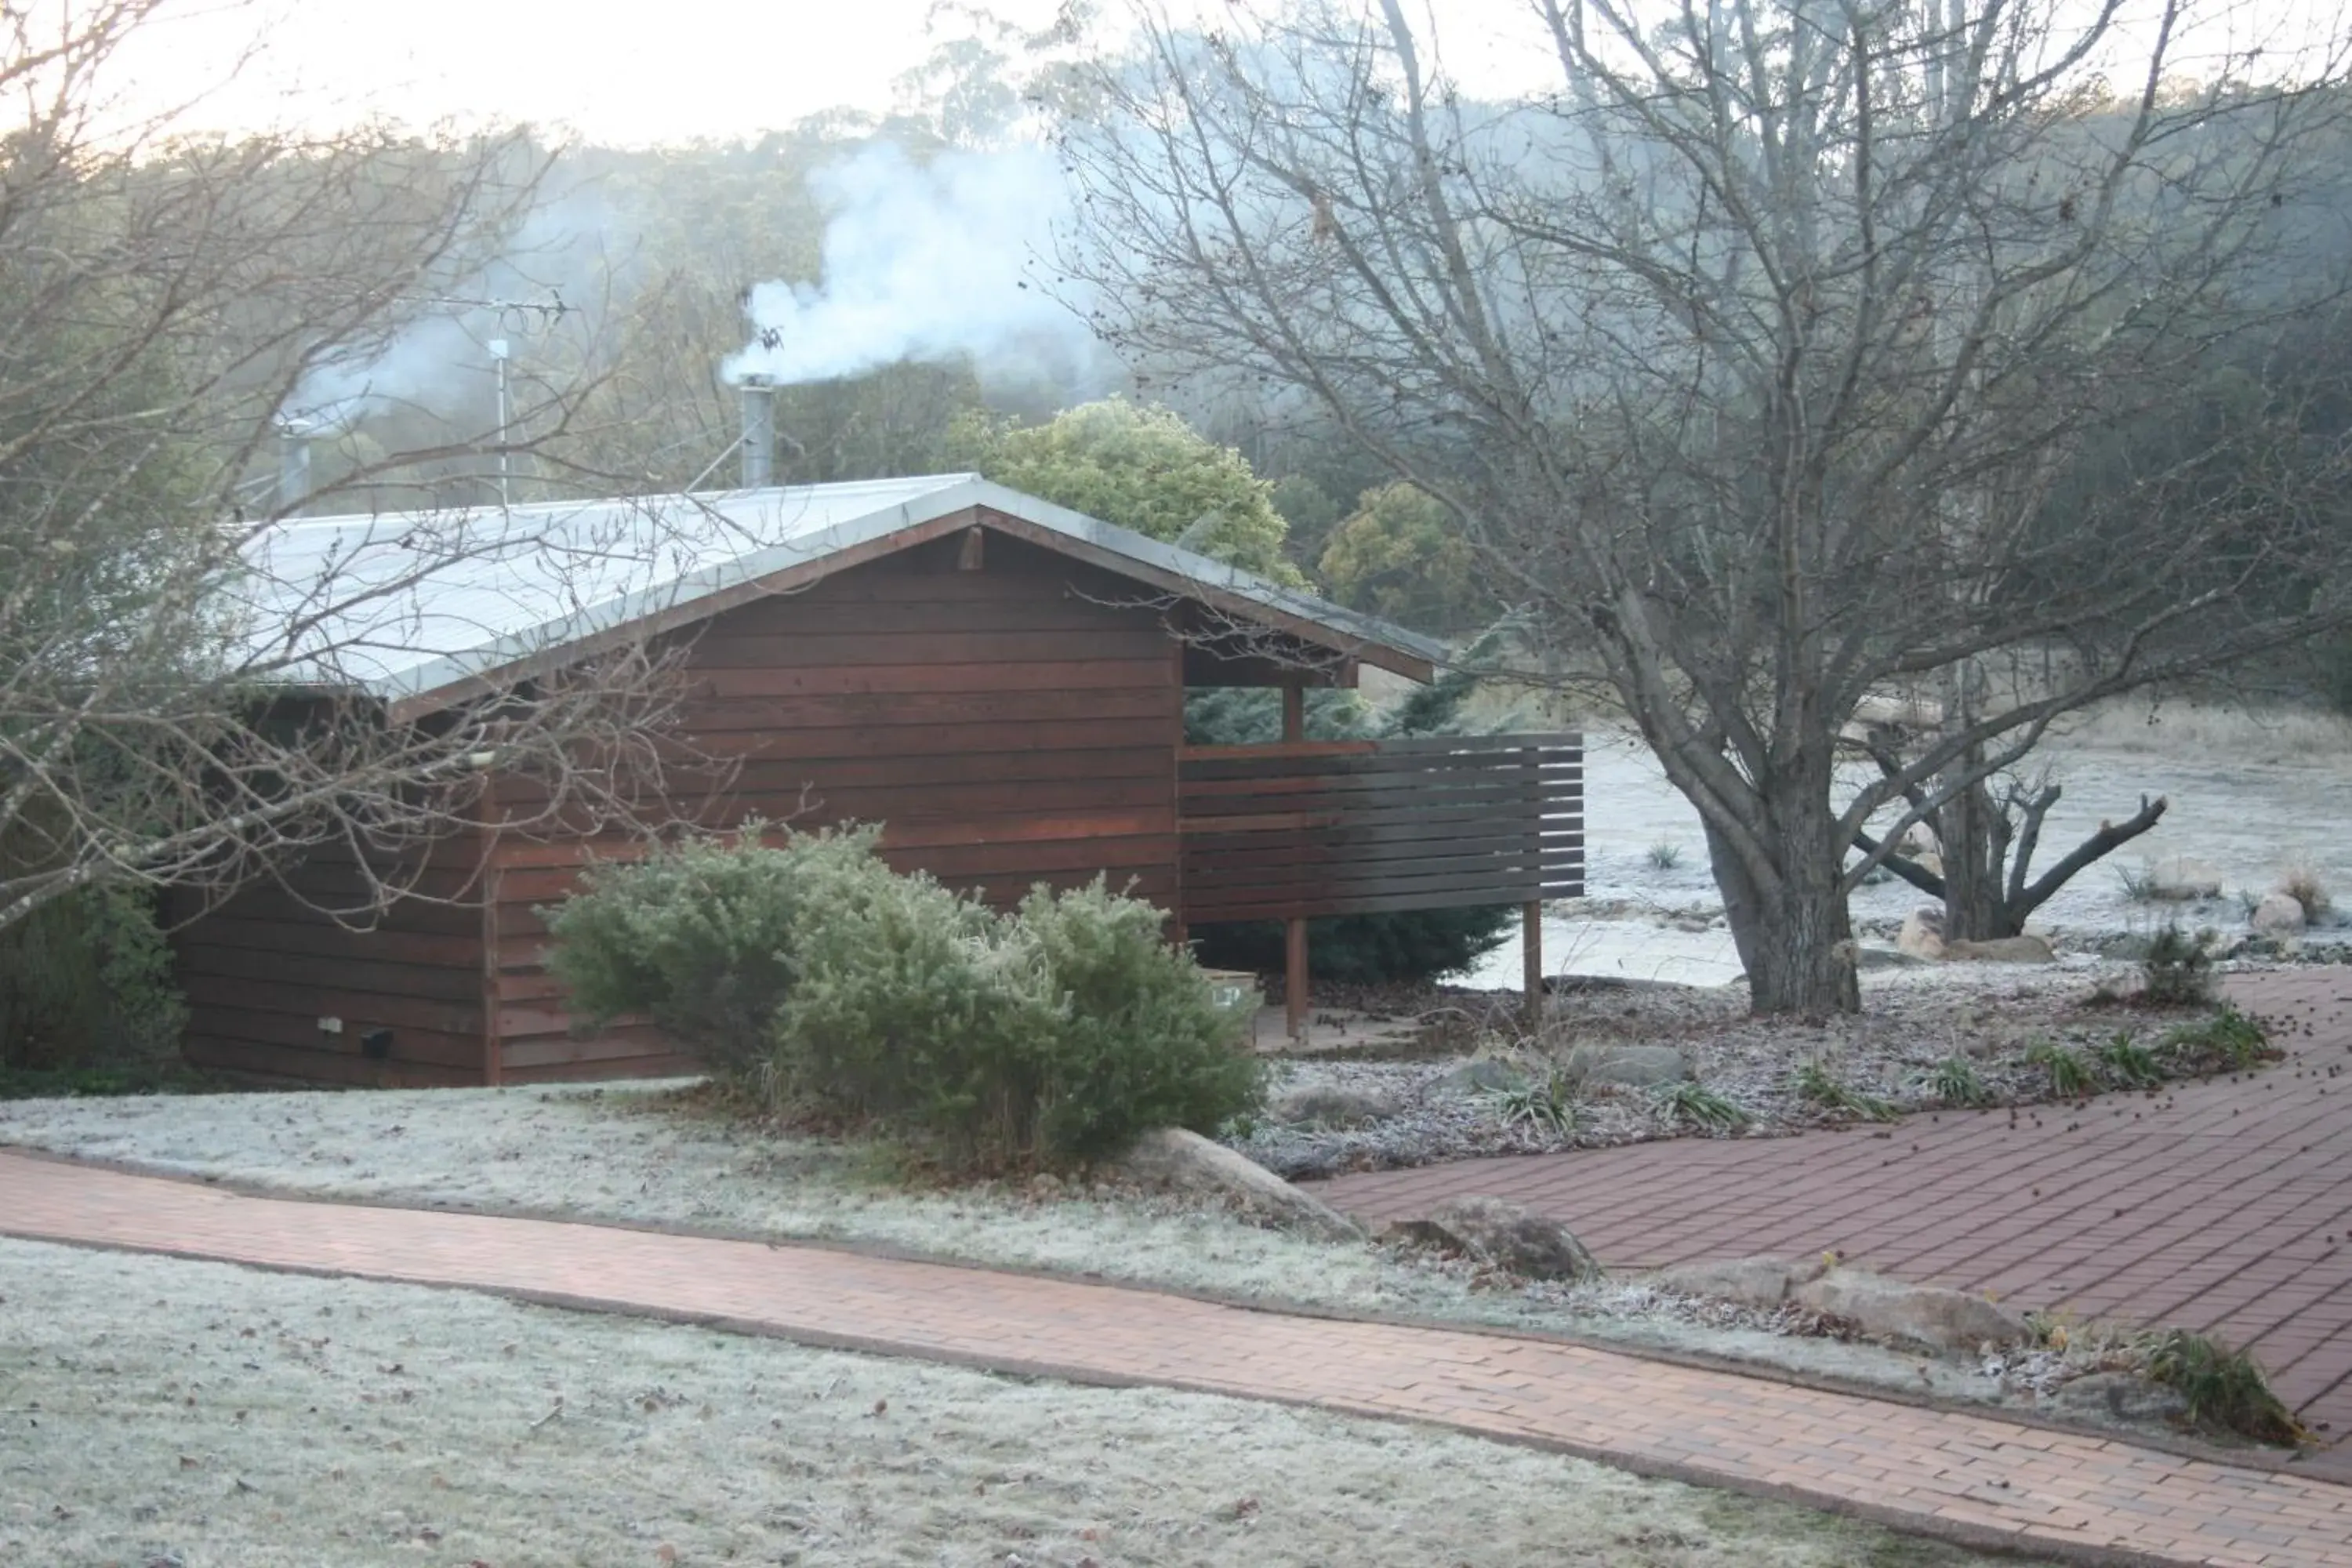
(2179, 970)
(697, 936)
(1545, 1106)
(1048, 1035)
(87, 999)
(1139, 1039)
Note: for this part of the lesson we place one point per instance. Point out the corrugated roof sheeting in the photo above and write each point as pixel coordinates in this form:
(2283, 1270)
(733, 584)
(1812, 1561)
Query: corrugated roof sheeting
(405, 605)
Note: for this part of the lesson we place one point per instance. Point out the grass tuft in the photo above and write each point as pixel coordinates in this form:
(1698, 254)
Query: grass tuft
(2139, 885)
(1955, 1081)
(1699, 1106)
(2225, 1389)
(1547, 1107)
(1832, 1093)
(2229, 1041)
(2302, 884)
(2129, 1063)
(2070, 1075)
(1666, 854)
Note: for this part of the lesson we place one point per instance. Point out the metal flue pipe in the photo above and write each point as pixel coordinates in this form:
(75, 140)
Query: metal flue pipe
(758, 443)
(293, 465)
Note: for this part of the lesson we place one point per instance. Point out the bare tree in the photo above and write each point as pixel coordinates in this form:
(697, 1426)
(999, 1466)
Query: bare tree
(1759, 354)
(185, 697)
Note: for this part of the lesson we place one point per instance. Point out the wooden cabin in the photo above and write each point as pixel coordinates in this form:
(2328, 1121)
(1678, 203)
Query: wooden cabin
(999, 681)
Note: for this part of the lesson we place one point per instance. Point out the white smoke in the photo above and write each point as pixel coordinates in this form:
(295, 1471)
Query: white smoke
(930, 261)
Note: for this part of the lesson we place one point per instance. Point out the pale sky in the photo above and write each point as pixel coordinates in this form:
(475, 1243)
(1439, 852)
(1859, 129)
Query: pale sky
(636, 71)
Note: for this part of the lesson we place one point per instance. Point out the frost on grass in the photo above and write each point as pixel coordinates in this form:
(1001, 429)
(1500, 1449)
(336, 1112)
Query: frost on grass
(638, 1153)
(160, 1409)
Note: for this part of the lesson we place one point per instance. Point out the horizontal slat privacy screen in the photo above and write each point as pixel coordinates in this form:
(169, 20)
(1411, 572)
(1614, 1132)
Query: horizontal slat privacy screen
(1363, 826)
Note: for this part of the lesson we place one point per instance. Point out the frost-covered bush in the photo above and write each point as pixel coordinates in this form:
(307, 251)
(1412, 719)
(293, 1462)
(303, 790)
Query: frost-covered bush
(1047, 1036)
(699, 935)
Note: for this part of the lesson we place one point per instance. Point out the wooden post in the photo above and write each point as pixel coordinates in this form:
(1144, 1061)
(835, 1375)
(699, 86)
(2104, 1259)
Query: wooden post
(1294, 978)
(1294, 957)
(1531, 963)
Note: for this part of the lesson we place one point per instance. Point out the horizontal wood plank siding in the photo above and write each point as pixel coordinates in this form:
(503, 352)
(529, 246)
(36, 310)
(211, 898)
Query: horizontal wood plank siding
(1008, 726)
(1306, 829)
(264, 970)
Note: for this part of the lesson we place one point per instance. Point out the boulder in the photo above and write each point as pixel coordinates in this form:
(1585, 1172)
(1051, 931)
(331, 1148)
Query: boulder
(1928, 1315)
(1330, 1105)
(2278, 914)
(1922, 935)
(1764, 1280)
(1179, 1160)
(1637, 1066)
(2002, 949)
(1502, 1233)
(1481, 1075)
(2119, 1396)
(1868, 957)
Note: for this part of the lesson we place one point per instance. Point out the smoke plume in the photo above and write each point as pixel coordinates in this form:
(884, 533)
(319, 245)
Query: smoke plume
(929, 261)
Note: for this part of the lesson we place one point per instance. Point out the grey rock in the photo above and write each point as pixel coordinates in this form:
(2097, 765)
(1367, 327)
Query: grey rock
(1637, 1066)
(2129, 946)
(1481, 1074)
(1331, 1105)
(2003, 950)
(1922, 936)
(2181, 880)
(2277, 915)
(1764, 1280)
(1866, 957)
(1502, 1233)
(2119, 1396)
(1928, 1315)
(1182, 1162)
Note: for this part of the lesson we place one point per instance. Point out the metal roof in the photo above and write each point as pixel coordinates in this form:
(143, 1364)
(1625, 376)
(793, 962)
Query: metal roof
(407, 605)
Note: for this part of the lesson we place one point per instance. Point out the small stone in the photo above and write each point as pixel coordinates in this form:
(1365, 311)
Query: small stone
(1330, 1105)
(1922, 936)
(1637, 1066)
(2277, 915)
(1044, 1185)
(2002, 949)
(1503, 1235)
(1481, 1075)
(1764, 1280)
(2119, 1396)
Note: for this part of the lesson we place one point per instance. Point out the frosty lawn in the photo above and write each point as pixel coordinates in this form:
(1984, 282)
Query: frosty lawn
(155, 1409)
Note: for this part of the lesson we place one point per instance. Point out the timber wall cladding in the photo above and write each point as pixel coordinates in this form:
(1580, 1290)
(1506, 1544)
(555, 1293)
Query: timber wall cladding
(265, 969)
(1009, 725)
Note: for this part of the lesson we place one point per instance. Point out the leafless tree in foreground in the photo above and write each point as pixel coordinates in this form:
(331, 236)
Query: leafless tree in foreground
(173, 710)
(1761, 356)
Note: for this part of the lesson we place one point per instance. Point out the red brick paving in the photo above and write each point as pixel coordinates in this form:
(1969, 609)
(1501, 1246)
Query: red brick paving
(2223, 1206)
(1968, 1476)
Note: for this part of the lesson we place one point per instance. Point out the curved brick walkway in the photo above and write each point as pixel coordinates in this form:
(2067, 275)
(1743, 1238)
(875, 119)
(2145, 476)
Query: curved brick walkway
(2223, 1206)
(1968, 1477)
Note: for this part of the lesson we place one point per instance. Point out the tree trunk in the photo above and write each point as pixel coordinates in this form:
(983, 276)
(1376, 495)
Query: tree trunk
(1794, 936)
(1973, 833)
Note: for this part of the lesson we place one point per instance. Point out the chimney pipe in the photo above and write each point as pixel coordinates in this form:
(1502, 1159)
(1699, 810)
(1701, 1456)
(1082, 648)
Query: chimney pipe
(758, 434)
(293, 465)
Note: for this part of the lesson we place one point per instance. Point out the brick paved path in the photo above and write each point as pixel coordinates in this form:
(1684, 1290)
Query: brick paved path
(2222, 1206)
(1971, 1477)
